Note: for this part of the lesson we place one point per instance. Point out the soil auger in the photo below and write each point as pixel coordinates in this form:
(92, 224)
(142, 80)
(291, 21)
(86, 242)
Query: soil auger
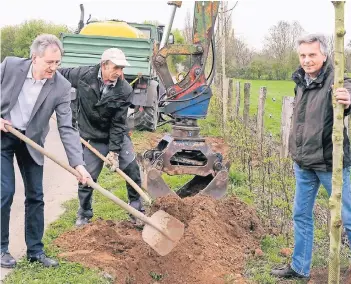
(185, 151)
(161, 232)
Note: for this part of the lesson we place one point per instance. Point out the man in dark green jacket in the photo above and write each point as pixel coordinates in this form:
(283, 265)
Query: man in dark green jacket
(311, 147)
(103, 98)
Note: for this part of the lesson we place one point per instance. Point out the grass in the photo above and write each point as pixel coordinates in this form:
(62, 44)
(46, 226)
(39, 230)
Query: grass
(210, 126)
(28, 273)
(69, 272)
(155, 276)
(176, 182)
(276, 90)
(237, 181)
(258, 268)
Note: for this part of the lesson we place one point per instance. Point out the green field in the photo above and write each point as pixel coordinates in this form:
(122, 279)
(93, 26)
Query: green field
(276, 90)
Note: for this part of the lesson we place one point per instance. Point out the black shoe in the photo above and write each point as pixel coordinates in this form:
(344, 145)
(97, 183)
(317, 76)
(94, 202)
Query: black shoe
(287, 272)
(44, 260)
(136, 222)
(81, 221)
(138, 205)
(7, 260)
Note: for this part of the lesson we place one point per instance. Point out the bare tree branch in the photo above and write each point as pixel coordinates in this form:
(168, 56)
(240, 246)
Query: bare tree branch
(280, 42)
(330, 44)
(188, 28)
(231, 9)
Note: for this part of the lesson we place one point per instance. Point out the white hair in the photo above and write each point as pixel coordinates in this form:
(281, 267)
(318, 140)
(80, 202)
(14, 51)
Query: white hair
(42, 42)
(311, 38)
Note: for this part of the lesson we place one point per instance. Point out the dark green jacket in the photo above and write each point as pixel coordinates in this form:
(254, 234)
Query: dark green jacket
(102, 120)
(310, 141)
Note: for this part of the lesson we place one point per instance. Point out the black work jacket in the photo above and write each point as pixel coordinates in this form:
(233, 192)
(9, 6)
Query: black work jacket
(102, 120)
(310, 141)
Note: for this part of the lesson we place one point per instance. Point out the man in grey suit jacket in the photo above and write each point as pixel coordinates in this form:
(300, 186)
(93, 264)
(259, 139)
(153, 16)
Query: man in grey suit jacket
(31, 91)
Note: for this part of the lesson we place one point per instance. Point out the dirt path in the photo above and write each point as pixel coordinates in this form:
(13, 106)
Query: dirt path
(59, 186)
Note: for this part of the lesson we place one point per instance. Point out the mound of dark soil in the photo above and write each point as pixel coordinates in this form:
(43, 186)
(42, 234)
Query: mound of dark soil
(219, 236)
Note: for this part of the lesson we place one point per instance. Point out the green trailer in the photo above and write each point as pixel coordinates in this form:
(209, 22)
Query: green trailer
(83, 50)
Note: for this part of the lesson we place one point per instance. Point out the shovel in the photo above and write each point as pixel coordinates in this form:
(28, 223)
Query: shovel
(161, 232)
(122, 174)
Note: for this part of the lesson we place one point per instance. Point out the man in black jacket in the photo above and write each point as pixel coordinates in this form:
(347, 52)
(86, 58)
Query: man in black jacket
(311, 148)
(103, 98)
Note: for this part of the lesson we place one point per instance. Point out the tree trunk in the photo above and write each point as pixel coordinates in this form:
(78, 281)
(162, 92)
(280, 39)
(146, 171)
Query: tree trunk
(335, 199)
(224, 78)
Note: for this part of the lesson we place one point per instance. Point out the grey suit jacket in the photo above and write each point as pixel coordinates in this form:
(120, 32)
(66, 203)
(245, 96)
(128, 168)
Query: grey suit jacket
(54, 96)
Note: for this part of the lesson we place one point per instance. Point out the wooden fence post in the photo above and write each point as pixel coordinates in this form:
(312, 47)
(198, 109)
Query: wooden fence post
(230, 100)
(287, 112)
(260, 113)
(225, 103)
(246, 111)
(237, 99)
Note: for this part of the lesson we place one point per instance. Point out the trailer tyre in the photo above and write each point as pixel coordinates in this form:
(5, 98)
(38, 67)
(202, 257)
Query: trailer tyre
(145, 118)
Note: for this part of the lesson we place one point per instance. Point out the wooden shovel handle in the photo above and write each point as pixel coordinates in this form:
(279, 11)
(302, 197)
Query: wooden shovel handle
(90, 182)
(119, 171)
(122, 174)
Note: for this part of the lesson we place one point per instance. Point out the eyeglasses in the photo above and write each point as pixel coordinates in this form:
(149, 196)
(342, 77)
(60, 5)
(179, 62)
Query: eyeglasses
(53, 63)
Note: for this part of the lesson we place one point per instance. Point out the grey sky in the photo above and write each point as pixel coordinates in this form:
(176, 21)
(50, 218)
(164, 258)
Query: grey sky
(251, 18)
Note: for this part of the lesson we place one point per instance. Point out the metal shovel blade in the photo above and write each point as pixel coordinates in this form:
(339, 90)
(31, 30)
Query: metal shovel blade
(163, 243)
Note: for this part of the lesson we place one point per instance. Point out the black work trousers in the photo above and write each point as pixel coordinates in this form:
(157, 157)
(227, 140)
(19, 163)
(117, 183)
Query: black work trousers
(94, 165)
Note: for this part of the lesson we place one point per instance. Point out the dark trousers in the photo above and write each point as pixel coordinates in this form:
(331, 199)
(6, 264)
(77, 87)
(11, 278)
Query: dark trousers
(94, 164)
(32, 175)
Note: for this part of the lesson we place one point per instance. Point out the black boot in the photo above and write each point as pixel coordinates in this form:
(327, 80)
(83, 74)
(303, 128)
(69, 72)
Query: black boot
(44, 260)
(7, 260)
(81, 221)
(287, 272)
(138, 205)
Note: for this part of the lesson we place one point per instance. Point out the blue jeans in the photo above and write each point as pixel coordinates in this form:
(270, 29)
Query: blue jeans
(307, 185)
(32, 175)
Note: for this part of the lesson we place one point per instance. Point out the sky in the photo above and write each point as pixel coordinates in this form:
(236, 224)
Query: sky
(251, 18)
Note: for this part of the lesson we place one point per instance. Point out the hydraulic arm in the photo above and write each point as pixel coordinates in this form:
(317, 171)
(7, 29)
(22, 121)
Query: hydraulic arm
(185, 151)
